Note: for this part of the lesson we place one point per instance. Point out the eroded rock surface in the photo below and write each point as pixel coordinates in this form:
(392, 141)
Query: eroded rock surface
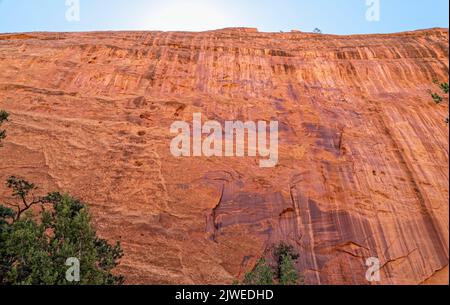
(363, 168)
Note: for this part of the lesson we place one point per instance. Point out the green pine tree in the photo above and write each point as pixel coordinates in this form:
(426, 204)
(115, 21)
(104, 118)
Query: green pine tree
(280, 252)
(288, 273)
(261, 274)
(282, 272)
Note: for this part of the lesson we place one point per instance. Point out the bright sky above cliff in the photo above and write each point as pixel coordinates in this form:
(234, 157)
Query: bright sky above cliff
(331, 16)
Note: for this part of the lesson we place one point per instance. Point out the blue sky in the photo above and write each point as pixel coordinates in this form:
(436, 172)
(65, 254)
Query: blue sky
(331, 16)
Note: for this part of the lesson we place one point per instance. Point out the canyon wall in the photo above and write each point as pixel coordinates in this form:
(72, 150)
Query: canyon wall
(363, 157)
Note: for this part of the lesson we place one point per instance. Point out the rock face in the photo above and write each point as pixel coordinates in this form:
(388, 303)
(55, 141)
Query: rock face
(363, 169)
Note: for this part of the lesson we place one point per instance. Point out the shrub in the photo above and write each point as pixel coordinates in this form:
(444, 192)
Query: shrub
(444, 87)
(436, 98)
(261, 274)
(283, 273)
(3, 118)
(35, 246)
(317, 31)
(281, 252)
(288, 273)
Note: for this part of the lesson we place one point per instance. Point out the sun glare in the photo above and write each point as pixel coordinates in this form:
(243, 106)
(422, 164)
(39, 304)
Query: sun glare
(188, 16)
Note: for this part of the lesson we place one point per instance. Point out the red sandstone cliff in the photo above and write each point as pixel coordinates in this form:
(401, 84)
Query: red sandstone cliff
(363, 168)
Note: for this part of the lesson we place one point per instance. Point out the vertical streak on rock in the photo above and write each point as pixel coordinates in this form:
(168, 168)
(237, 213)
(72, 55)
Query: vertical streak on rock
(426, 209)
